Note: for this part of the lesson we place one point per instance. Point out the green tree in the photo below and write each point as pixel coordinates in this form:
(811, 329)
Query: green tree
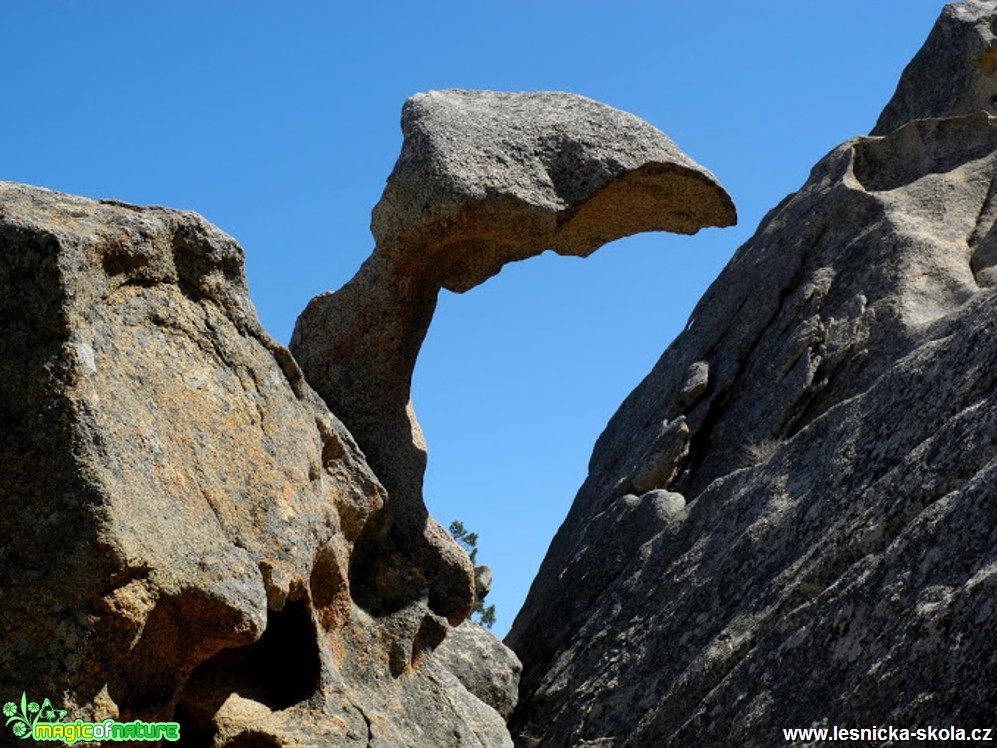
(484, 614)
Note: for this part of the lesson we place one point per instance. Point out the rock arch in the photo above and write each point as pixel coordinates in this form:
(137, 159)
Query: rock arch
(483, 179)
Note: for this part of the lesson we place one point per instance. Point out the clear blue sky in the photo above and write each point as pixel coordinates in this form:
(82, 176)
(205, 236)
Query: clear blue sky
(278, 121)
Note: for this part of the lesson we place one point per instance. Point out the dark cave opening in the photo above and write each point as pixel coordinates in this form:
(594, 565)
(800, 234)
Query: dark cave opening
(279, 670)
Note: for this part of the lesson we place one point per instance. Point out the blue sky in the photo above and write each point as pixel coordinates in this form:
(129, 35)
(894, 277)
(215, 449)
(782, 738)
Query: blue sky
(278, 121)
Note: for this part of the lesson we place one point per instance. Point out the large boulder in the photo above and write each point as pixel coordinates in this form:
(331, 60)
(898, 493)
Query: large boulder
(485, 666)
(180, 508)
(790, 522)
(483, 179)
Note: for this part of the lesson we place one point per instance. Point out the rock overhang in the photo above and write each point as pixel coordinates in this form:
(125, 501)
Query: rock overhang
(487, 177)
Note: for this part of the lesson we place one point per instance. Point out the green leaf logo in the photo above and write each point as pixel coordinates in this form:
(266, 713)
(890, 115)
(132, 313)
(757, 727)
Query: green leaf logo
(25, 717)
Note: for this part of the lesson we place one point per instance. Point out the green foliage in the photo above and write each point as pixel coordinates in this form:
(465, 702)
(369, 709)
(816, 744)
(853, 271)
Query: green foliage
(467, 540)
(486, 614)
(481, 613)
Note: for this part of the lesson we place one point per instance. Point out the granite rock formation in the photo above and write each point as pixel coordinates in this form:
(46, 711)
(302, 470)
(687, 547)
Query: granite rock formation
(791, 520)
(953, 73)
(487, 669)
(189, 531)
(483, 179)
(180, 508)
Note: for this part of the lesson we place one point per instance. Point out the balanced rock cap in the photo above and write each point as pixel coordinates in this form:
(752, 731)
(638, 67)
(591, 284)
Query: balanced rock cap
(483, 170)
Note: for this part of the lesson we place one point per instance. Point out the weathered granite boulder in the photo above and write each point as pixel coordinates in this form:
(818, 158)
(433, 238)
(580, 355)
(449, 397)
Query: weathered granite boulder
(483, 179)
(791, 521)
(180, 509)
(485, 666)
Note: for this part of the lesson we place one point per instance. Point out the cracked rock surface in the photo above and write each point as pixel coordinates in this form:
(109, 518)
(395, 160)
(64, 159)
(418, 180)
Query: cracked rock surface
(834, 560)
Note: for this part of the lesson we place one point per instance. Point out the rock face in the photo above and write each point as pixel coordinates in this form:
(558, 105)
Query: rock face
(955, 72)
(180, 508)
(483, 179)
(790, 522)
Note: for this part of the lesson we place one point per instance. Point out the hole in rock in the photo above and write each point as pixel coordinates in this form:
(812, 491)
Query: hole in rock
(279, 670)
(383, 580)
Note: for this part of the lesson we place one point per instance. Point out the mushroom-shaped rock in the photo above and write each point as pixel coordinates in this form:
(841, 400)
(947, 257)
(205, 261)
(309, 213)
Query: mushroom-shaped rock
(483, 179)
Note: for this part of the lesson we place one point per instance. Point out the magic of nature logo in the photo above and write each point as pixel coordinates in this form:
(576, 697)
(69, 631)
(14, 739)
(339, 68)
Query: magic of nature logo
(44, 722)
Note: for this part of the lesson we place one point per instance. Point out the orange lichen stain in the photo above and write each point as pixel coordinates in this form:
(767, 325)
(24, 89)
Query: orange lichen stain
(988, 60)
(337, 648)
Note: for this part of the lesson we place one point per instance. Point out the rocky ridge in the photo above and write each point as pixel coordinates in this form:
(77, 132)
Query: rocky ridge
(790, 521)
